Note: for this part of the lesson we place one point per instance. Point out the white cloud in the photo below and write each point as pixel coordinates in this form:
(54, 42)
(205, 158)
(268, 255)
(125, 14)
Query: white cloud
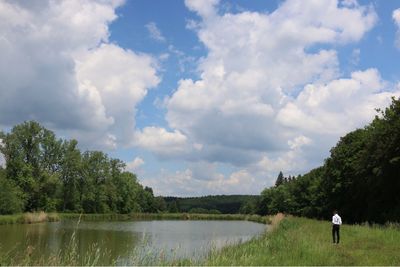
(160, 141)
(184, 61)
(269, 98)
(396, 18)
(299, 141)
(185, 183)
(118, 79)
(58, 68)
(135, 164)
(255, 63)
(155, 32)
(338, 106)
(204, 8)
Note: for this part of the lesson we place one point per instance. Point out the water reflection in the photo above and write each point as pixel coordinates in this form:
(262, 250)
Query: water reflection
(124, 240)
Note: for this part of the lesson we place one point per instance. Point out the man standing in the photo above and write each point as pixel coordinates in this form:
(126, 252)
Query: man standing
(336, 222)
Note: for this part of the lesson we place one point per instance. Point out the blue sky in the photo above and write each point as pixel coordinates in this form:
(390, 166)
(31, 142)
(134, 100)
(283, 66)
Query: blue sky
(200, 96)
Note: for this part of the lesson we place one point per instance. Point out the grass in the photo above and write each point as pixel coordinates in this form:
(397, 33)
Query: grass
(68, 257)
(290, 241)
(300, 241)
(95, 256)
(37, 217)
(29, 217)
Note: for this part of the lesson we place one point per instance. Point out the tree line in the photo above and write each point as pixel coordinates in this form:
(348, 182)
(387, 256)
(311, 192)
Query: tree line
(360, 178)
(225, 204)
(50, 174)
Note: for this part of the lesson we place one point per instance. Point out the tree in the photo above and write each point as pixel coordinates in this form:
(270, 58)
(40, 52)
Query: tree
(159, 204)
(32, 158)
(70, 175)
(46, 173)
(11, 197)
(249, 207)
(279, 179)
(361, 177)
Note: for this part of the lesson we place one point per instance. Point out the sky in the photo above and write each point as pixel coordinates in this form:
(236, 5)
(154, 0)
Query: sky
(200, 97)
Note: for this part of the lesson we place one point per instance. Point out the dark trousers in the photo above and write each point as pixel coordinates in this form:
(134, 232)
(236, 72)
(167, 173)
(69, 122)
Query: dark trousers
(335, 233)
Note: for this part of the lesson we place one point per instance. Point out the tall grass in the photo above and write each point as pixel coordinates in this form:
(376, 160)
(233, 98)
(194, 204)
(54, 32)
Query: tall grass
(70, 256)
(293, 241)
(300, 241)
(51, 217)
(97, 255)
(29, 217)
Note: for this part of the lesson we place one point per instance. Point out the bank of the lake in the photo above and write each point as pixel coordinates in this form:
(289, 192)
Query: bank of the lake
(29, 217)
(294, 241)
(168, 216)
(300, 241)
(38, 217)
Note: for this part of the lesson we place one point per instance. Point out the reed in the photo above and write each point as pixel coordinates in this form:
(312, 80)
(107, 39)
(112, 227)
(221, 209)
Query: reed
(29, 217)
(64, 257)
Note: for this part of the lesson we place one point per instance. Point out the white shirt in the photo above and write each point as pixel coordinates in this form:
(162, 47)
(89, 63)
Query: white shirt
(336, 219)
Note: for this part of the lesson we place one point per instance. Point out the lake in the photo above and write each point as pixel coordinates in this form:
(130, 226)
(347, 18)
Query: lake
(126, 242)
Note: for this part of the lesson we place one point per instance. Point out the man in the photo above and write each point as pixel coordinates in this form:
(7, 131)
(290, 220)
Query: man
(336, 222)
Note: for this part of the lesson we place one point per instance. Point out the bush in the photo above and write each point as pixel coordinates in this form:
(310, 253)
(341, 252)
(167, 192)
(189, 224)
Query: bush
(11, 200)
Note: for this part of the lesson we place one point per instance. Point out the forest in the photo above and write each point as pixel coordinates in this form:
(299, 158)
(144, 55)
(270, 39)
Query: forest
(43, 173)
(225, 204)
(360, 178)
(50, 174)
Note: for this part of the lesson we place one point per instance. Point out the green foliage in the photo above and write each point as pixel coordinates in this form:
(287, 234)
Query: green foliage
(361, 178)
(225, 204)
(49, 174)
(249, 207)
(11, 197)
(305, 242)
(280, 180)
(204, 211)
(161, 216)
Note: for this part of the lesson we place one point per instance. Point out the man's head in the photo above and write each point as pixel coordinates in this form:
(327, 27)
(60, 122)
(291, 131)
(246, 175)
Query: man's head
(334, 212)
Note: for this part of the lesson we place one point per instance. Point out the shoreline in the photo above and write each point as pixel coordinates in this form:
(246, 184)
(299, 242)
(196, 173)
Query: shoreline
(40, 217)
(287, 240)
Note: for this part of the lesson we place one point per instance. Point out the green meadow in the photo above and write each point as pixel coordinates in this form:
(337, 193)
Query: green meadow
(292, 241)
(300, 241)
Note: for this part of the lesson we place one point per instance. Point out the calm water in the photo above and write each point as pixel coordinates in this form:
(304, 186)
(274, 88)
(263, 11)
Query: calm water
(124, 240)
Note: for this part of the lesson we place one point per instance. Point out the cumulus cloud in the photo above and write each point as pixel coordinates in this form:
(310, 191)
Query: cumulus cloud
(160, 141)
(155, 32)
(58, 68)
(117, 80)
(270, 95)
(255, 63)
(204, 8)
(135, 164)
(396, 18)
(185, 183)
(338, 106)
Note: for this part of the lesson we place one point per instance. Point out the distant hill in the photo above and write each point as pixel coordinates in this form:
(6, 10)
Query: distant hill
(212, 204)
